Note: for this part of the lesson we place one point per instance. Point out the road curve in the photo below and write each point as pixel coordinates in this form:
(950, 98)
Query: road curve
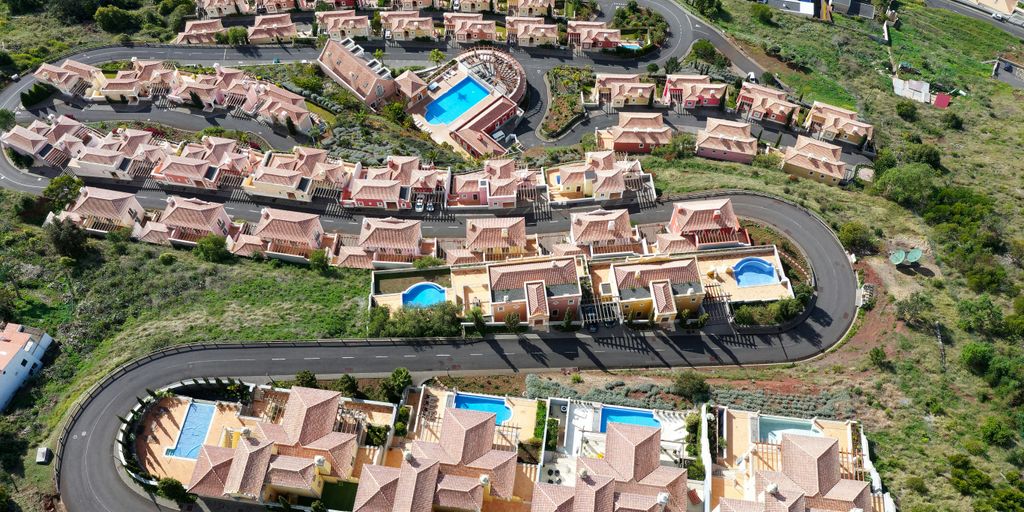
(91, 483)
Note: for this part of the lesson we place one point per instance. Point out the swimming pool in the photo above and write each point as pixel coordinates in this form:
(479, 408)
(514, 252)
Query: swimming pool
(486, 404)
(630, 46)
(193, 431)
(630, 416)
(422, 295)
(455, 102)
(772, 428)
(753, 272)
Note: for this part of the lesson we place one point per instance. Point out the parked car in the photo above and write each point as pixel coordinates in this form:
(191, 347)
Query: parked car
(419, 205)
(430, 207)
(15, 77)
(1008, 67)
(592, 327)
(998, 17)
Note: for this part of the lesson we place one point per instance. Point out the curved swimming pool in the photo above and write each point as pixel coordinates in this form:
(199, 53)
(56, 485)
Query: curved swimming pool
(754, 272)
(485, 404)
(423, 295)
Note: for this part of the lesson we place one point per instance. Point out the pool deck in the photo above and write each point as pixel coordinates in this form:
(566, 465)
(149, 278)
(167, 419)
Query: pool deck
(441, 133)
(713, 271)
(470, 285)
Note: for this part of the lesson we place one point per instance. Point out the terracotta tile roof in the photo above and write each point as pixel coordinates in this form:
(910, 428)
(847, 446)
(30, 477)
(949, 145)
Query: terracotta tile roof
(594, 31)
(609, 181)
(461, 257)
(594, 492)
(192, 168)
(811, 462)
(626, 86)
(406, 20)
(192, 213)
(526, 27)
(600, 226)
(354, 257)
(334, 21)
(211, 471)
(816, 156)
(417, 484)
(511, 276)
(638, 128)
(458, 493)
(735, 505)
(729, 136)
(376, 190)
(25, 140)
(286, 225)
(633, 451)
(282, 177)
(566, 250)
(536, 299)
(291, 472)
(354, 70)
(840, 120)
(495, 233)
(664, 301)
(669, 243)
(700, 215)
(390, 233)
(377, 489)
(246, 245)
(640, 275)
(552, 498)
(272, 26)
(694, 87)
(764, 99)
(310, 414)
(248, 468)
(410, 84)
(106, 204)
(626, 501)
(153, 233)
(466, 434)
(476, 132)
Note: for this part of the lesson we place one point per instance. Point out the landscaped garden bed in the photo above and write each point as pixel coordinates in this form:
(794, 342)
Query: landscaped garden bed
(565, 108)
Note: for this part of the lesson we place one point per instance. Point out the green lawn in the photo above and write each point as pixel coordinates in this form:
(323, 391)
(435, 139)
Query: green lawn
(339, 496)
(398, 282)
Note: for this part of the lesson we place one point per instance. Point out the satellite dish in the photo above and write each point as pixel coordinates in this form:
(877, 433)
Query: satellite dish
(896, 257)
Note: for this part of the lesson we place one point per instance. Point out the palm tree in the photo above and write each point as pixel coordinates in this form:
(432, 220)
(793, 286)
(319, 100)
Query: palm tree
(437, 56)
(379, 54)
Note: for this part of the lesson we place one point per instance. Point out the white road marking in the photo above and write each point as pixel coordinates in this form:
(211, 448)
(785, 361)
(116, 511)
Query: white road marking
(409, 356)
(346, 357)
(476, 354)
(380, 357)
(442, 355)
(310, 358)
(277, 359)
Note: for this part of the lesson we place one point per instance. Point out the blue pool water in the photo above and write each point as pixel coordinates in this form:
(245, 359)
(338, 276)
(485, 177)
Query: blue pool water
(753, 272)
(631, 416)
(486, 404)
(193, 431)
(455, 102)
(630, 46)
(772, 427)
(423, 295)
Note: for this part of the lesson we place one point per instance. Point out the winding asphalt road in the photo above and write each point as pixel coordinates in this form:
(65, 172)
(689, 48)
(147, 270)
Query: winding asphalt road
(90, 482)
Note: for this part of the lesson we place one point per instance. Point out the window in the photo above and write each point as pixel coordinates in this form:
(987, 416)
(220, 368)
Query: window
(501, 308)
(693, 299)
(554, 312)
(132, 213)
(625, 306)
(641, 145)
(572, 301)
(24, 362)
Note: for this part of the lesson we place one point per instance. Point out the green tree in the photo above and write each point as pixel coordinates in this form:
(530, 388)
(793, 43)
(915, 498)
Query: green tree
(318, 261)
(437, 56)
(995, 430)
(709, 8)
(176, 20)
(570, 315)
(306, 379)
(67, 238)
(237, 36)
(379, 54)
(922, 153)
(377, 323)
(907, 110)
(394, 385)
(479, 323)
(173, 490)
(878, 358)
(763, 14)
(952, 121)
(62, 191)
(908, 185)
(346, 385)
(652, 68)
(375, 22)
(427, 262)
(290, 125)
(976, 356)
(980, 315)
(857, 238)
(692, 386)
(916, 309)
(8, 306)
(212, 248)
(318, 506)
(394, 112)
(672, 65)
(6, 119)
(116, 20)
(23, 7)
(512, 321)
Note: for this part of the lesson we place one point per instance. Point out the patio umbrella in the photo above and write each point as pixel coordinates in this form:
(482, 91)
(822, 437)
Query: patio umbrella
(896, 257)
(914, 255)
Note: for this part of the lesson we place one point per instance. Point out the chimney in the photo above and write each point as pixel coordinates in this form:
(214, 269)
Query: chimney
(407, 456)
(663, 498)
(504, 232)
(717, 215)
(772, 489)
(611, 225)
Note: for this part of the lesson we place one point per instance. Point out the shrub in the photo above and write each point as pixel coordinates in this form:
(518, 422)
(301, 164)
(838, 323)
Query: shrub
(62, 191)
(577, 378)
(975, 447)
(763, 14)
(916, 484)
(67, 238)
(346, 385)
(377, 435)
(173, 490)
(995, 430)
(704, 50)
(168, 258)
(976, 356)
(692, 386)
(318, 261)
(394, 385)
(428, 262)
(952, 121)
(965, 478)
(907, 110)
(878, 357)
(915, 309)
(306, 379)
(857, 238)
(212, 248)
(767, 160)
(908, 185)
(19, 160)
(115, 20)
(36, 94)
(980, 315)
(401, 429)
(512, 322)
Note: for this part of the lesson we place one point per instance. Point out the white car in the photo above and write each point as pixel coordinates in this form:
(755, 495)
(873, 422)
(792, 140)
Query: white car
(419, 205)
(998, 17)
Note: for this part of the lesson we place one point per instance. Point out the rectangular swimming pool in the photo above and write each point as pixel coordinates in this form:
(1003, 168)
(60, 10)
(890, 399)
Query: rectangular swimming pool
(485, 404)
(630, 416)
(193, 431)
(771, 428)
(455, 102)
